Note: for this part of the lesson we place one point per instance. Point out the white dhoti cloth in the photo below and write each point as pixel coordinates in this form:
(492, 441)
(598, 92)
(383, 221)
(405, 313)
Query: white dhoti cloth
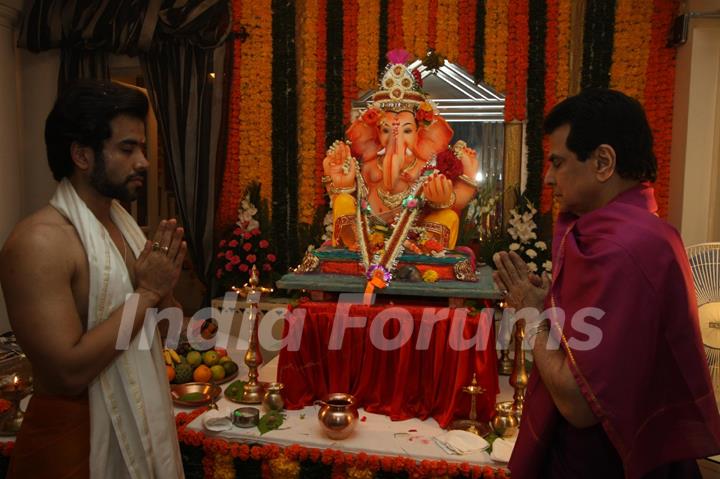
(132, 429)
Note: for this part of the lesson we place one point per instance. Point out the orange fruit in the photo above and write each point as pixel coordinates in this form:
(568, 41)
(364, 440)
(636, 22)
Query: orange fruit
(202, 374)
(170, 372)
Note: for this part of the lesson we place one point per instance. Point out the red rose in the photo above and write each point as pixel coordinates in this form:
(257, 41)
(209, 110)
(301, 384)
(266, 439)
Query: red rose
(267, 267)
(255, 232)
(264, 243)
(222, 243)
(247, 246)
(229, 254)
(243, 267)
(271, 257)
(449, 165)
(220, 254)
(235, 259)
(228, 267)
(233, 243)
(218, 273)
(247, 236)
(251, 258)
(237, 231)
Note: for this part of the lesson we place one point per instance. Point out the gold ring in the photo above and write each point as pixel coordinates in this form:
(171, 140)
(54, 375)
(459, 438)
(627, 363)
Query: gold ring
(165, 249)
(156, 246)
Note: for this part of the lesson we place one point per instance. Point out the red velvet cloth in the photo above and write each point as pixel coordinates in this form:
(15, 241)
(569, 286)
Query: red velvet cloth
(402, 383)
(646, 380)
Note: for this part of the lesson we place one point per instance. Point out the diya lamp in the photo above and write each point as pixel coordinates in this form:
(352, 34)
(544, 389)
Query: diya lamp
(253, 390)
(472, 424)
(14, 391)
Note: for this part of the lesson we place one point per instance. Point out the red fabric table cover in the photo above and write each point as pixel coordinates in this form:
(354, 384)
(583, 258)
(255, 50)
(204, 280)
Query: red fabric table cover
(401, 383)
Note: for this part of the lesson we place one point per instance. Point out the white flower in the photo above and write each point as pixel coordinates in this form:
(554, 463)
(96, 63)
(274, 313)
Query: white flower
(514, 246)
(531, 253)
(541, 245)
(532, 267)
(547, 265)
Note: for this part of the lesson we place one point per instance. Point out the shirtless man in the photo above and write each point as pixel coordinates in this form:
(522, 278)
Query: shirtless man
(95, 139)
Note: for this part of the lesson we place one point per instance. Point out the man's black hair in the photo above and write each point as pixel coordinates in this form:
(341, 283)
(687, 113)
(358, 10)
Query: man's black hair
(601, 116)
(82, 113)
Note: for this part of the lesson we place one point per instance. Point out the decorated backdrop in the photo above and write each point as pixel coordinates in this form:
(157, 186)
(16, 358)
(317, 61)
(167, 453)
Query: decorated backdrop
(297, 65)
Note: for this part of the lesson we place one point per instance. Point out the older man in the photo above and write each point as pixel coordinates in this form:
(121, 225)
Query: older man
(628, 393)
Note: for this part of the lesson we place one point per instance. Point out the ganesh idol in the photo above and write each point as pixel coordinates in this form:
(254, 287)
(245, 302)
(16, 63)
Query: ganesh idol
(397, 182)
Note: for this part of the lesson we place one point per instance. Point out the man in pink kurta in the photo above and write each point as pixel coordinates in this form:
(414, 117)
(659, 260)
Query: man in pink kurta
(627, 393)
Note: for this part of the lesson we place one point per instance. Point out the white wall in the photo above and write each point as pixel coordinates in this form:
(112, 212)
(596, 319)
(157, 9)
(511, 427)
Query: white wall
(695, 164)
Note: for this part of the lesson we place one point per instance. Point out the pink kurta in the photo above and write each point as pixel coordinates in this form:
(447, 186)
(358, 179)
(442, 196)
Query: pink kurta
(647, 380)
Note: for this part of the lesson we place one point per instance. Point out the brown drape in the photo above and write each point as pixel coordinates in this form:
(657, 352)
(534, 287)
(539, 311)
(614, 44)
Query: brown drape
(180, 42)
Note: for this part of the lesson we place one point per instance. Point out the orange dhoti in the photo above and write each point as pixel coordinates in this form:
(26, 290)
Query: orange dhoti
(54, 440)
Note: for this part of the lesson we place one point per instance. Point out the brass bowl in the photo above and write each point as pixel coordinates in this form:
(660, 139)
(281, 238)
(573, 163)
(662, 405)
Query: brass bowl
(203, 393)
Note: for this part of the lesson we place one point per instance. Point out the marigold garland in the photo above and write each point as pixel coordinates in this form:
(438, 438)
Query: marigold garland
(517, 61)
(320, 92)
(447, 29)
(285, 462)
(231, 190)
(350, 45)
(659, 91)
(368, 31)
(307, 55)
(255, 102)
(395, 25)
(466, 20)
(563, 49)
(551, 80)
(631, 46)
(432, 25)
(496, 44)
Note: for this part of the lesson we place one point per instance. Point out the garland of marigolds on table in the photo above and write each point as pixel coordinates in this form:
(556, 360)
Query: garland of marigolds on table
(225, 459)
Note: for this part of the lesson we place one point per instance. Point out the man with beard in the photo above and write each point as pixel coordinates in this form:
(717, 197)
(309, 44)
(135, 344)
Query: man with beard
(72, 274)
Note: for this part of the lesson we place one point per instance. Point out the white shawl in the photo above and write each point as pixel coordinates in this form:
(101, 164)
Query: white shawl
(132, 429)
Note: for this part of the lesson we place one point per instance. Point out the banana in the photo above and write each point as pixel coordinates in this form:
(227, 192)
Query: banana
(174, 355)
(167, 357)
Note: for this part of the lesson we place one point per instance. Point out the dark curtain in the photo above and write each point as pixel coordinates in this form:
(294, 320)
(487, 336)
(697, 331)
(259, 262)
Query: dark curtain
(180, 43)
(184, 70)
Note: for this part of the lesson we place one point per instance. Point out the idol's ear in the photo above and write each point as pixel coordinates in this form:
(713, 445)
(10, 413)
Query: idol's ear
(433, 139)
(605, 162)
(364, 139)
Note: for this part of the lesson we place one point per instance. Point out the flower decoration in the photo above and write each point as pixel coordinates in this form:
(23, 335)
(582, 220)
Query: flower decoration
(430, 276)
(371, 116)
(447, 164)
(418, 77)
(522, 230)
(424, 114)
(243, 247)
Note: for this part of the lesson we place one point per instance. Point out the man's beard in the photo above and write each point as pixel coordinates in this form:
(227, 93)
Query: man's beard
(100, 181)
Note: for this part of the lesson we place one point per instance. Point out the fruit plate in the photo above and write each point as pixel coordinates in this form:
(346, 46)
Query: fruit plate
(194, 394)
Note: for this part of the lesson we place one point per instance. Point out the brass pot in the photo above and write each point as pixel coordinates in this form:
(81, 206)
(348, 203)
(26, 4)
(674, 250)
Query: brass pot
(338, 415)
(273, 400)
(505, 422)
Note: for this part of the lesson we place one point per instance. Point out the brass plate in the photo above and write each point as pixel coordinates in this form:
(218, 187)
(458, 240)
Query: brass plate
(207, 391)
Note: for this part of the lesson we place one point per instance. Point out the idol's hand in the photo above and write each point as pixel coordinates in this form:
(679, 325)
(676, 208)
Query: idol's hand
(468, 158)
(339, 165)
(522, 289)
(157, 269)
(438, 190)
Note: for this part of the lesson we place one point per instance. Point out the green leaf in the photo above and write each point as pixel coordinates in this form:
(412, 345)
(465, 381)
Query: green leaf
(236, 390)
(270, 421)
(192, 397)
